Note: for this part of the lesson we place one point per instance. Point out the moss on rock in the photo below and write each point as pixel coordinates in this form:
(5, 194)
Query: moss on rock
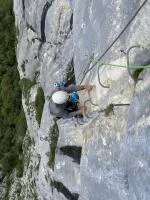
(26, 85)
(39, 104)
(53, 144)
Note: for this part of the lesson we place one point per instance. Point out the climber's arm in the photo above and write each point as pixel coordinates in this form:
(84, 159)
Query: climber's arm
(72, 88)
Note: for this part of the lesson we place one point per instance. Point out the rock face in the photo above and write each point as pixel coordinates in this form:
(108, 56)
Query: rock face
(105, 155)
(2, 185)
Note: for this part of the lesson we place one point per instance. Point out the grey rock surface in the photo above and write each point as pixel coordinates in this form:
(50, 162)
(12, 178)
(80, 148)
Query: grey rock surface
(2, 185)
(119, 168)
(106, 158)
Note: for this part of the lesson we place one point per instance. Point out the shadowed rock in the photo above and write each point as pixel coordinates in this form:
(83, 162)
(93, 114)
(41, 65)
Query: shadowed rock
(61, 188)
(73, 152)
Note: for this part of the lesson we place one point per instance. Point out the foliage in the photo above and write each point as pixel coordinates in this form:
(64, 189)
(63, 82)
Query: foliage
(12, 119)
(108, 109)
(136, 74)
(39, 104)
(26, 85)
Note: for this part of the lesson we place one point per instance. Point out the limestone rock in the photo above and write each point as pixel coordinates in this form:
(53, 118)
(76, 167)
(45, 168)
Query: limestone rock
(107, 157)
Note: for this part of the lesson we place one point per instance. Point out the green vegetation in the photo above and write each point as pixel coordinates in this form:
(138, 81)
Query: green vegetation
(108, 109)
(12, 119)
(26, 85)
(53, 144)
(39, 104)
(136, 74)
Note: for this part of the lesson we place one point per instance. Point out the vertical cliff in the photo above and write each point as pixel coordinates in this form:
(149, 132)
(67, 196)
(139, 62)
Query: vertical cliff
(105, 156)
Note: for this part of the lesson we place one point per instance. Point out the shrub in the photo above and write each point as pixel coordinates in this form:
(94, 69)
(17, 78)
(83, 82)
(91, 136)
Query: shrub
(12, 119)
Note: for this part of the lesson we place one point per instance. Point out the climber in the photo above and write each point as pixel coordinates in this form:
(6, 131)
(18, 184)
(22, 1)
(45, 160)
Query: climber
(65, 101)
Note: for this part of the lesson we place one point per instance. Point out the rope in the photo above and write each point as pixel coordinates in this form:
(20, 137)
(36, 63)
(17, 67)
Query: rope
(129, 22)
(88, 65)
(99, 78)
(130, 66)
(87, 69)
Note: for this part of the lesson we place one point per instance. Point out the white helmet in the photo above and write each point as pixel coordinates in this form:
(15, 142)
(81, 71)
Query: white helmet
(60, 97)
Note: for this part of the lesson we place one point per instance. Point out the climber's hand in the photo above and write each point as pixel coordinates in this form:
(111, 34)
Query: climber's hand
(88, 88)
(81, 110)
